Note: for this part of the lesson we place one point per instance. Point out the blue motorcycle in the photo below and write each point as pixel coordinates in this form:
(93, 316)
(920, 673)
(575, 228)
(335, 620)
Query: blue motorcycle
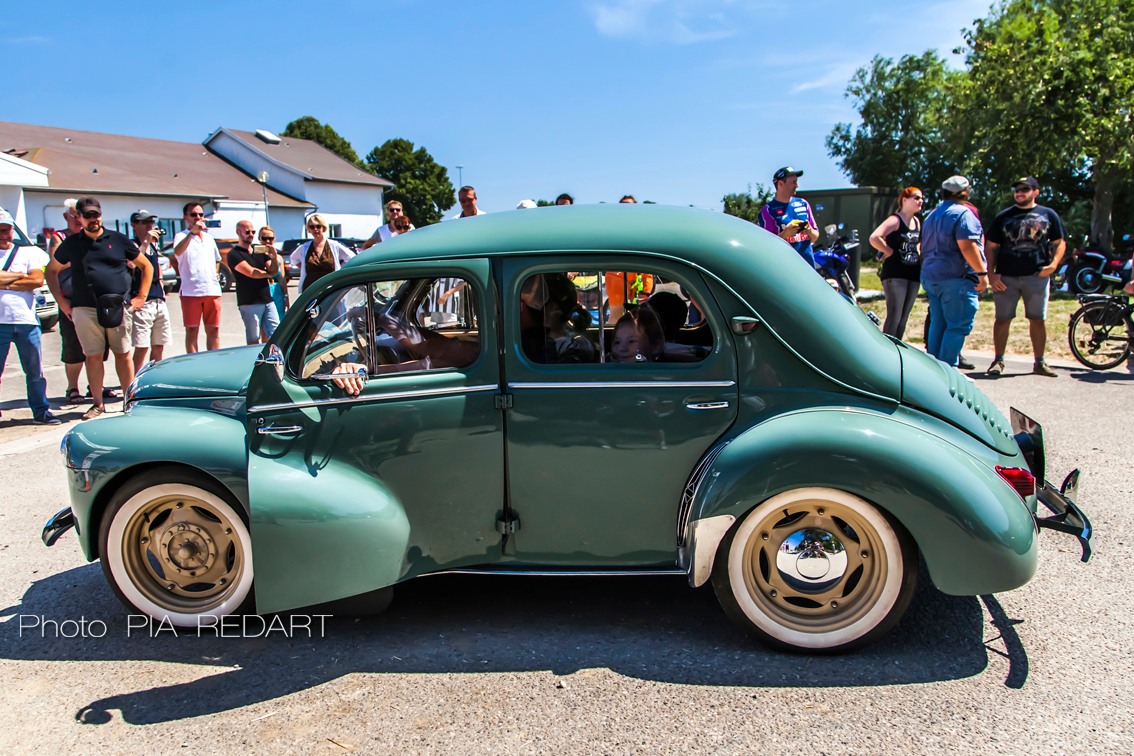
(833, 261)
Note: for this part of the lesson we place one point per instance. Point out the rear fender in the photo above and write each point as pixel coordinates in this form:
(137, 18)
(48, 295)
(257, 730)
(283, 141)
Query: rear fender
(976, 534)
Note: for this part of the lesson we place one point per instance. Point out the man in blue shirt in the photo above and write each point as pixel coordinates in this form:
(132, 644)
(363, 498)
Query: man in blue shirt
(790, 217)
(953, 269)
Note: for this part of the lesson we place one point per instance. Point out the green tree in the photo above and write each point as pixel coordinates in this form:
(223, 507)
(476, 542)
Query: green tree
(308, 127)
(906, 135)
(420, 184)
(747, 206)
(1050, 93)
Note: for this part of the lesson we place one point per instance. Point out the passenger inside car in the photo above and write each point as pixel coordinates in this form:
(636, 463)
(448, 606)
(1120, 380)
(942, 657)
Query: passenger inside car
(638, 337)
(553, 324)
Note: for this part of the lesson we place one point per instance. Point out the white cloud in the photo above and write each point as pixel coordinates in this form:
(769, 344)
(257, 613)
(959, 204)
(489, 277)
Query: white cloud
(679, 22)
(33, 39)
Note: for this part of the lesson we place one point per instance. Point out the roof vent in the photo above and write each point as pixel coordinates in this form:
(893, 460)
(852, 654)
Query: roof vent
(267, 136)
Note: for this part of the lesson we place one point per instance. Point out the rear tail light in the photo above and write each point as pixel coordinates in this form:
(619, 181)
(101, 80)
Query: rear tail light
(1020, 479)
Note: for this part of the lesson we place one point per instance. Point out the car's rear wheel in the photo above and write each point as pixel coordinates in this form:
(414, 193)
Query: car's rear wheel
(816, 570)
(175, 547)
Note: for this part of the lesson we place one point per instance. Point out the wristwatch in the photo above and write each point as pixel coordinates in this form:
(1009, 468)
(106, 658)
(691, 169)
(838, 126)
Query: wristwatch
(982, 273)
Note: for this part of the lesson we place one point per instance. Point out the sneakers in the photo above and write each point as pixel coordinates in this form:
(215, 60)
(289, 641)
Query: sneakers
(1041, 368)
(93, 412)
(963, 364)
(46, 419)
(996, 368)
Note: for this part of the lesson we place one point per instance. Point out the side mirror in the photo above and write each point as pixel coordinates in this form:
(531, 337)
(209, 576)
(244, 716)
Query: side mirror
(274, 357)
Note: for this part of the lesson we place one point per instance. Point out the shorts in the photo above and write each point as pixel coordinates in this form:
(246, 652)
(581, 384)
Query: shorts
(71, 351)
(1033, 289)
(151, 325)
(257, 316)
(193, 309)
(94, 338)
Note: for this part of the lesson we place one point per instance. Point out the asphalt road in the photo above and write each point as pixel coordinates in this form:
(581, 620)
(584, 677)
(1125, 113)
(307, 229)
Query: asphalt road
(520, 665)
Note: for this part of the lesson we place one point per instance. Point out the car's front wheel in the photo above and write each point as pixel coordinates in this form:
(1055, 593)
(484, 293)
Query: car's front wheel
(175, 547)
(816, 570)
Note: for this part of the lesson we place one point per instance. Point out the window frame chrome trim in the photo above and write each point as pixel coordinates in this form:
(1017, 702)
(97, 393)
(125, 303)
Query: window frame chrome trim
(394, 395)
(621, 384)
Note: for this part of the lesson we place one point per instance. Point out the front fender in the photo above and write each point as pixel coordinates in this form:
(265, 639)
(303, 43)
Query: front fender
(977, 535)
(103, 454)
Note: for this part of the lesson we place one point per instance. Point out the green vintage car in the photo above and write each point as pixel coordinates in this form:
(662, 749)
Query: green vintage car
(624, 389)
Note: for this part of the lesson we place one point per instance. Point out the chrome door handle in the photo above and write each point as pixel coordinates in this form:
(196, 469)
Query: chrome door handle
(707, 405)
(280, 430)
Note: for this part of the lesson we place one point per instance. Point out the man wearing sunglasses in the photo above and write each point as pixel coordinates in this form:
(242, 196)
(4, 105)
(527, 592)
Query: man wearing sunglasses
(98, 259)
(1025, 246)
(198, 263)
(382, 233)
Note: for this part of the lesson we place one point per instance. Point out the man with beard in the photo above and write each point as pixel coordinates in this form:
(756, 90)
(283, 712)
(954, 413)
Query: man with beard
(1025, 246)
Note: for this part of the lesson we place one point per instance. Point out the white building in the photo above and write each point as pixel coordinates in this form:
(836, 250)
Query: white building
(41, 166)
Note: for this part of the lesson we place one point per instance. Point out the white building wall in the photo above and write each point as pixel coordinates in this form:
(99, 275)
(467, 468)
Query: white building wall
(355, 207)
(15, 174)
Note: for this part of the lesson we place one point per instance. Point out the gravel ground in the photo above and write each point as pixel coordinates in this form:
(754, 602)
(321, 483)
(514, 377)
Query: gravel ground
(467, 664)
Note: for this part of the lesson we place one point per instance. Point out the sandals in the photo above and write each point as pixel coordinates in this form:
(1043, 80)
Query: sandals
(74, 396)
(93, 412)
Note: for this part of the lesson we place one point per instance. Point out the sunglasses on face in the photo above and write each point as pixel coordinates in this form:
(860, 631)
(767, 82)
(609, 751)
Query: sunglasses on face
(394, 210)
(1021, 190)
(91, 214)
(196, 215)
(316, 228)
(267, 238)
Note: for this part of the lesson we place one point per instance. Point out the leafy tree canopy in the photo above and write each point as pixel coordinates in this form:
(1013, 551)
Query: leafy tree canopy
(747, 205)
(308, 127)
(420, 184)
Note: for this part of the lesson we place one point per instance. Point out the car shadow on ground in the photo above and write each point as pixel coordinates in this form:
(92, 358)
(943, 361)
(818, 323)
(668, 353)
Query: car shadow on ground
(650, 628)
(1116, 375)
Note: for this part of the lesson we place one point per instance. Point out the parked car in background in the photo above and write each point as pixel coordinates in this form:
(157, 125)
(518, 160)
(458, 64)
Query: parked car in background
(46, 308)
(443, 404)
(171, 278)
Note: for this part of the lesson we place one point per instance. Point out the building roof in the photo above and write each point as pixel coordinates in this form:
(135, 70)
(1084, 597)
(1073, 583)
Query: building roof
(309, 158)
(89, 162)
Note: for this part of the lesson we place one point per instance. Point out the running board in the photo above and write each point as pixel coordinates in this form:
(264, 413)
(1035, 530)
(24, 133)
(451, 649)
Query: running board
(559, 573)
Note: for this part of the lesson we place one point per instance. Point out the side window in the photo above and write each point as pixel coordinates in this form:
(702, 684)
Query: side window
(393, 326)
(632, 317)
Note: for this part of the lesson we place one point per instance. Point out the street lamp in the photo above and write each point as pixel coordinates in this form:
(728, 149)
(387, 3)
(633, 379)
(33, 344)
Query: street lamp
(460, 180)
(263, 177)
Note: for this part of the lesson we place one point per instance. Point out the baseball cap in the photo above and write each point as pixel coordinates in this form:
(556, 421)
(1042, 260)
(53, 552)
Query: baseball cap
(1026, 181)
(141, 215)
(784, 172)
(955, 184)
(6, 218)
(87, 202)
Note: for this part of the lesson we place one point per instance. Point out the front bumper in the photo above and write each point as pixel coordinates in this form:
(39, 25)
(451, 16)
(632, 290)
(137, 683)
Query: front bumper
(1066, 517)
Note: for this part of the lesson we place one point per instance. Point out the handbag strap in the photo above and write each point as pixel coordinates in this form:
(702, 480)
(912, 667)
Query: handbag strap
(11, 256)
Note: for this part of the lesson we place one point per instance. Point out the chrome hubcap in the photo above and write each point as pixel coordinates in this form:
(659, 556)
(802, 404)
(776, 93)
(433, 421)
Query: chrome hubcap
(811, 560)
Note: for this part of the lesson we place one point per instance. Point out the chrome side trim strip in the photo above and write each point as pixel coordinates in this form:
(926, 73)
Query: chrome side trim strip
(418, 394)
(623, 384)
(558, 573)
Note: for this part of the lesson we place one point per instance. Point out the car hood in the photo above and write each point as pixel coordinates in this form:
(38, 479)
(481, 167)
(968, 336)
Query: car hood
(934, 387)
(222, 372)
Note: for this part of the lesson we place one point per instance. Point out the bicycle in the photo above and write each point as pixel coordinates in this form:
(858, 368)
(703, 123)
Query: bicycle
(1101, 332)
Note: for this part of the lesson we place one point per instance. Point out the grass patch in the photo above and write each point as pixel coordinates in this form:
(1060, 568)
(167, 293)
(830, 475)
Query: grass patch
(1059, 311)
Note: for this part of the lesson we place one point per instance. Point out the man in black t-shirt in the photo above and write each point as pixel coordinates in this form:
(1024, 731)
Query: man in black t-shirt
(254, 270)
(98, 259)
(1025, 245)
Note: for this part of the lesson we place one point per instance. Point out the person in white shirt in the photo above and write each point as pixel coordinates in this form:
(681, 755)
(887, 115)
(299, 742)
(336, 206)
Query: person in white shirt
(198, 262)
(382, 233)
(21, 273)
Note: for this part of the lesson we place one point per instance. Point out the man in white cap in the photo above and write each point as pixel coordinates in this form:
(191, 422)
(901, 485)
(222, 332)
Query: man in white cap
(953, 270)
(21, 273)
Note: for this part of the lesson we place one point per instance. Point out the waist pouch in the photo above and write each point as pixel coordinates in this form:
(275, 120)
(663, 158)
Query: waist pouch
(111, 308)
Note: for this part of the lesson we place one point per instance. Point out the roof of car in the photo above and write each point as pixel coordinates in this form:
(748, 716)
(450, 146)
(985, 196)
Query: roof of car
(799, 306)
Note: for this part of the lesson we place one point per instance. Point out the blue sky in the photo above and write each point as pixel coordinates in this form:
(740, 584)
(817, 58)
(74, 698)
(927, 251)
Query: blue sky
(676, 101)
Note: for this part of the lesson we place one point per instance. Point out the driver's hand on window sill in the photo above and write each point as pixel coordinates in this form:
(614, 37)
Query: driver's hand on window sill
(353, 377)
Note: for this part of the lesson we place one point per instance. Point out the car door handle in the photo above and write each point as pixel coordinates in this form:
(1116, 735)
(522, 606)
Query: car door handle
(280, 430)
(707, 405)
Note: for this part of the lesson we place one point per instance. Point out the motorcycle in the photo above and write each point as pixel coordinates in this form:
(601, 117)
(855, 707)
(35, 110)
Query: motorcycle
(1091, 270)
(833, 261)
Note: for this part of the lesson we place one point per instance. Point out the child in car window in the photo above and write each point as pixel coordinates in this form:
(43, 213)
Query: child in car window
(638, 337)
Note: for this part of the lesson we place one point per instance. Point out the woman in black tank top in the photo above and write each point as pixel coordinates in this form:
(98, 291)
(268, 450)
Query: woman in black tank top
(897, 240)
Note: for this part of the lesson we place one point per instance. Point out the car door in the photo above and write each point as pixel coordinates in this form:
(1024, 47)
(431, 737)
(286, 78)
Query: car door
(353, 493)
(598, 452)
